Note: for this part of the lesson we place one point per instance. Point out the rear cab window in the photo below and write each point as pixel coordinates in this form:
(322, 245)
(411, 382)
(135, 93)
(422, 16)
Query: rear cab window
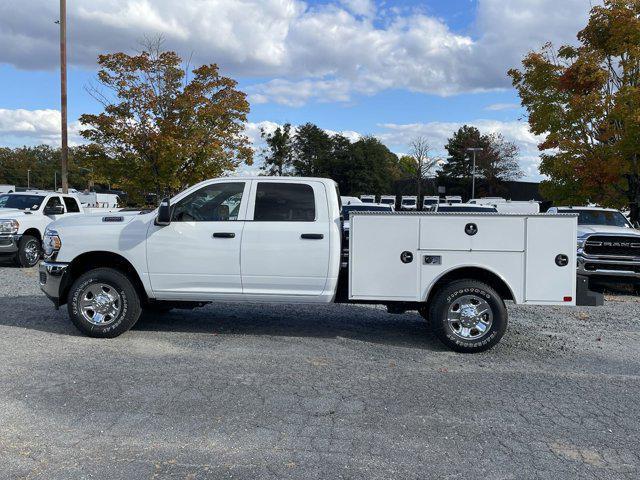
(71, 204)
(284, 202)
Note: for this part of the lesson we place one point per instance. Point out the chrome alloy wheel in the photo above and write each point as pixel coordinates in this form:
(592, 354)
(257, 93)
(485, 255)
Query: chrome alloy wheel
(470, 317)
(100, 304)
(32, 252)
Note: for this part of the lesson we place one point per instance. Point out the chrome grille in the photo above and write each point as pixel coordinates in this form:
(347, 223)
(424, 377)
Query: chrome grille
(613, 246)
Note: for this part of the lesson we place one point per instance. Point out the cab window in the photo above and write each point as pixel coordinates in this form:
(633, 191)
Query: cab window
(219, 202)
(71, 204)
(284, 202)
(53, 202)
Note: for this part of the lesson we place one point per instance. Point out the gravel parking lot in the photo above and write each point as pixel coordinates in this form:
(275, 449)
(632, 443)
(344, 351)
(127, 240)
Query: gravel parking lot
(241, 391)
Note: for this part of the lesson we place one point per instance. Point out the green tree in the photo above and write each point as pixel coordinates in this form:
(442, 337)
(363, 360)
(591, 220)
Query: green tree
(311, 151)
(586, 101)
(278, 155)
(162, 129)
(497, 161)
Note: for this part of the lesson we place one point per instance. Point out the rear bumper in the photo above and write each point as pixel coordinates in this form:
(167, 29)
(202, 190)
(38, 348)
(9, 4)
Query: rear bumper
(53, 277)
(9, 244)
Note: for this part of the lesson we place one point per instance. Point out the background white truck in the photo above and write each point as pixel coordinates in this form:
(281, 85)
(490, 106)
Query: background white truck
(608, 246)
(23, 219)
(409, 202)
(276, 239)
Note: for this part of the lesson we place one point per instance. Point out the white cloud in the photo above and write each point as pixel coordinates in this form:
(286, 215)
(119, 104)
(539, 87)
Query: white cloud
(18, 127)
(498, 107)
(307, 52)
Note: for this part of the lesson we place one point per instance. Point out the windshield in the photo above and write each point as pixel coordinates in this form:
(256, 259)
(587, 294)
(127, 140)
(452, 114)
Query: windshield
(21, 202)
(445, 209)
(408, 201)
(599, 217)
(429, 201)
(364, 208)
(387, 201)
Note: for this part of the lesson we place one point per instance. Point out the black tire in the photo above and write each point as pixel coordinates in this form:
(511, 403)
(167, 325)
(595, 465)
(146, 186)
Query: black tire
(114, 282)
(28, 244)
(449, 333)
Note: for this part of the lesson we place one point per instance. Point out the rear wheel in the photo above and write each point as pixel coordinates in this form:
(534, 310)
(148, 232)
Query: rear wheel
(468, 316)
(29, 251)
(103, 303)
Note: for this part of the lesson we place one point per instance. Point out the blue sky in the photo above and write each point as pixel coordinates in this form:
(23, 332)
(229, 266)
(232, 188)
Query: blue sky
(394, 69)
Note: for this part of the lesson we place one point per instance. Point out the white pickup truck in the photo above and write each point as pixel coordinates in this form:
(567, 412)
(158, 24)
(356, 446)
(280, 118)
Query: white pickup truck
(280, 239)
(23, 219)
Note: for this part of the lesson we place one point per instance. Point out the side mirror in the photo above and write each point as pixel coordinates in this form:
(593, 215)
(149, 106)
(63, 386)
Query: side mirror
(55, 210)
(164, 213)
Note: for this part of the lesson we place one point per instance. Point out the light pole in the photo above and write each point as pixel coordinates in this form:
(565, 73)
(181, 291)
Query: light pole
(473, 173)
(28, 178)
(63, 95)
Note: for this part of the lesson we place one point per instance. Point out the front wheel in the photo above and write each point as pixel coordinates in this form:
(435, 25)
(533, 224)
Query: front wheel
(103, 303)
(468, 316)
(29, 251)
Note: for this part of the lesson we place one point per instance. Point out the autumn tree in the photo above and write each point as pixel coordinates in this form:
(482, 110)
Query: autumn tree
(278, 154)
(164, 128)
(585, 100)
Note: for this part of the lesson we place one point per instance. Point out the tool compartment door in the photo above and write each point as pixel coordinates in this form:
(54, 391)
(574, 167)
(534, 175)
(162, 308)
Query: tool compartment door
(379, 250)
(490, 233)
(546, 282)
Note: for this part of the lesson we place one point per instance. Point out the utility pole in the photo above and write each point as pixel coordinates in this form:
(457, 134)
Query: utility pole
(473, 173)
(63, 95)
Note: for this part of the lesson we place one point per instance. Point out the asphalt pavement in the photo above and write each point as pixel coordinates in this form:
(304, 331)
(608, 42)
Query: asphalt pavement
(316, 392)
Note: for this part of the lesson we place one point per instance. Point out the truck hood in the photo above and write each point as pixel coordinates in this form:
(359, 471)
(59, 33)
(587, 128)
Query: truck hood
(14, 213)
(106, 219)
(584, 230)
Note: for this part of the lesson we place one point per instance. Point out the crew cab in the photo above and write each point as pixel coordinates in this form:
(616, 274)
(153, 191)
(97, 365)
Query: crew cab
(24, 218)
(608, 246)
(280, 239)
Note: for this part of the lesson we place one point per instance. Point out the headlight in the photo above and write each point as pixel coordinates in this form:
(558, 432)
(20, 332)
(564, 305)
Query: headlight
(580, 244)
(51, 242)
(9, 226)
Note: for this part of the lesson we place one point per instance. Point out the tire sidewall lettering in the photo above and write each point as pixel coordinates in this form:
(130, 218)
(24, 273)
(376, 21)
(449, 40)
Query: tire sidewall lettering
(78, 315)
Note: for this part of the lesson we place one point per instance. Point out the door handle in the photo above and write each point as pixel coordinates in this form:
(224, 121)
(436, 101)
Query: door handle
(312, 236)
(224, 235)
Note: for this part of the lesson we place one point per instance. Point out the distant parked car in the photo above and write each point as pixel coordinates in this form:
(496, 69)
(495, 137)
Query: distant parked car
(7, 188)
(608, 245)
(350, 200)
(509, 206)
(409, 202)
(368, 198)
(388, 200)
(24, 218)
(453, 199)
(428, 201)
(462, 208)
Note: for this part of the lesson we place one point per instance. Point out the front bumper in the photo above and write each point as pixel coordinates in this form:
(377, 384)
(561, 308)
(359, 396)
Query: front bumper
(53, 277)
(617, 268)
(9, 244)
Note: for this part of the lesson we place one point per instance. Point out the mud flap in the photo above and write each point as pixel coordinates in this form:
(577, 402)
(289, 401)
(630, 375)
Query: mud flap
(586, 297)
